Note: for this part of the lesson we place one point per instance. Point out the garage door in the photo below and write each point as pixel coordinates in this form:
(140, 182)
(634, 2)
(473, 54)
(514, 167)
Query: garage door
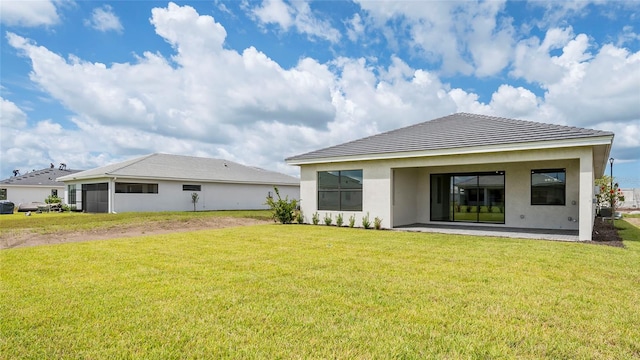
(95, 197)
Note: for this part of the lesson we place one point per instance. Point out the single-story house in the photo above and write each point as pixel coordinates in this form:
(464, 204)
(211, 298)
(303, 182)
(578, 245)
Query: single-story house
(462, 169)
(34, 186)
(162, 182)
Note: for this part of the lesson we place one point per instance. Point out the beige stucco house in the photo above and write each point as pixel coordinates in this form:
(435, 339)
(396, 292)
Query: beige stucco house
(462, 169)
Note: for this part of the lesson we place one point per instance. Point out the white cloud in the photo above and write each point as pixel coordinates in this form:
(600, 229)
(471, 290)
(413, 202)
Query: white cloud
(208, 100)
(11, 116)
(355, 27)
(275, 12)
(28, 13)
(104, 19)
(462, 37)
(582, 88)
(299, 15)
(513, 102)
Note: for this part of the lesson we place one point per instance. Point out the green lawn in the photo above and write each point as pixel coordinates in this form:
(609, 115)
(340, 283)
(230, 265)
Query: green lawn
(276, 291)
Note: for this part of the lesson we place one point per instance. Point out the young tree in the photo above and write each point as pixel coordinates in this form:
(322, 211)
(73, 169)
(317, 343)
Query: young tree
(194, 200)
(608, 196)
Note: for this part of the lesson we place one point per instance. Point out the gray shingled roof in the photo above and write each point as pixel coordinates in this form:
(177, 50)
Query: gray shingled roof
(44, 177)
(177, 167)
(459, 130)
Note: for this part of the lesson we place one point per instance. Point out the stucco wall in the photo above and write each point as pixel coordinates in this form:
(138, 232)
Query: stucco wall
(26, 194)
(213, 196)
(171, 197)
(405, 183)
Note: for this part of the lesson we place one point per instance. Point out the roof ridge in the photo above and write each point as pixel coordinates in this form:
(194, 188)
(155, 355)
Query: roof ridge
(539, 123)
(133, 161)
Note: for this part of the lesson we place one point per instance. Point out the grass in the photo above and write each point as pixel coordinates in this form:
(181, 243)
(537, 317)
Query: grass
(274, 291)
(72, 221)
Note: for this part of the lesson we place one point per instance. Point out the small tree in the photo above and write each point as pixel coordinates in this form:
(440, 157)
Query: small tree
(327, 219)
(608, 196)
(283, 209)
(194, 200)
(339, 220)
(315, 218)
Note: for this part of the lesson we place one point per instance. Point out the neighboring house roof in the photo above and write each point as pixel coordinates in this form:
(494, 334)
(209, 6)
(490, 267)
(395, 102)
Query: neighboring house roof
(457, 131)
(185, 168)
(44, 177)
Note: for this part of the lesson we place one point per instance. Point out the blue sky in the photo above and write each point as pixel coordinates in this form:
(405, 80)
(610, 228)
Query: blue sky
(88, 83)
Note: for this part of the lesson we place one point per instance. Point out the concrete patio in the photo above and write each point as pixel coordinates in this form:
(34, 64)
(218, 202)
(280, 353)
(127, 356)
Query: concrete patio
(541, 234)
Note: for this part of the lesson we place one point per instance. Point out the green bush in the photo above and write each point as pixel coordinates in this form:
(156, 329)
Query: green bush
(366, 223)
(299, 217)
(315, 218)
(377, 223)
(339, 220)
(352, 221)
(283, 209)
(52, 199)
(327, 219)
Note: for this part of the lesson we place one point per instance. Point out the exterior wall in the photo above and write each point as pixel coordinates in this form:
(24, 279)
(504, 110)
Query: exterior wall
(171, 197)
(213, 196)
(78, 183)
(27, 194)
(631, 199)
(398, 191)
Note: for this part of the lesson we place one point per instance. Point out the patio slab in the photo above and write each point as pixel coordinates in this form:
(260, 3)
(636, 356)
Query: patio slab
(541, 234)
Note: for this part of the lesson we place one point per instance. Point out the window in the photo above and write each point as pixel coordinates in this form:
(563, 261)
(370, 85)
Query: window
(191, 187)
(3, 194)
(71, 190)
(340, 190)
(548, 187)
(54, 192)
(136, 188)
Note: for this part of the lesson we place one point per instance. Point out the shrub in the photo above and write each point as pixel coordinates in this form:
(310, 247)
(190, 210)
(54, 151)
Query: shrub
(327, 219)
(52, 199)
(377, 223)
(315, 218)
(283, 209)
(299, 217)
(352, 221)
(339, 220)
(366, 223)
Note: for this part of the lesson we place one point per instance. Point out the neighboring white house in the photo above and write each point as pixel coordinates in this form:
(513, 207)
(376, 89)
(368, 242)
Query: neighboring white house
(462, 169)
(34, 186)
(631, 199)
(162, 182)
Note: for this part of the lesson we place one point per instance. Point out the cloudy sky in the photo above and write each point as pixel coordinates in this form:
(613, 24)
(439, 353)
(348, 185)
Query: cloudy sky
(88, 83)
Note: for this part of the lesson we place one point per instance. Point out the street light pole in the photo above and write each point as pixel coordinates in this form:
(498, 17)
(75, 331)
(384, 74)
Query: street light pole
(611, 194)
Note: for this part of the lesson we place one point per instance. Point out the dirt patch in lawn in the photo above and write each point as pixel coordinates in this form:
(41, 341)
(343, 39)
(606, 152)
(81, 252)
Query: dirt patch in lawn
(25, 237)
(633, 221)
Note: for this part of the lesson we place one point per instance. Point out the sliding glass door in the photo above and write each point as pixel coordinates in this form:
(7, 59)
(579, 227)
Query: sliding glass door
(470, 197)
